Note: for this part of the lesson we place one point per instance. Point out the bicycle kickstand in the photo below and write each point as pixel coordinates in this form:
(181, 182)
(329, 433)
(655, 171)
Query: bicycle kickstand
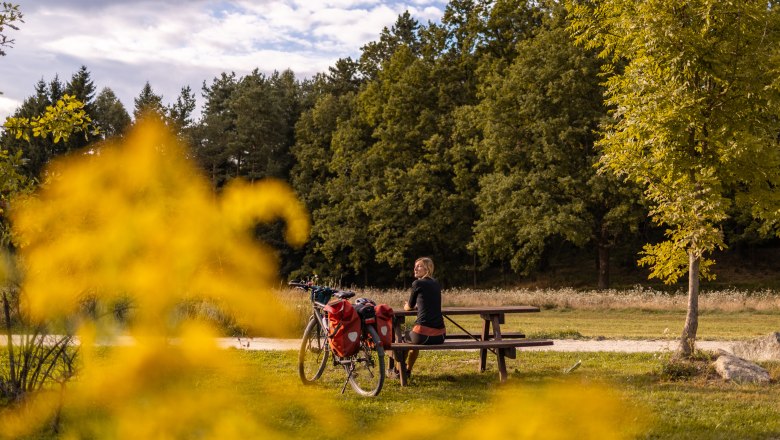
(349, 376)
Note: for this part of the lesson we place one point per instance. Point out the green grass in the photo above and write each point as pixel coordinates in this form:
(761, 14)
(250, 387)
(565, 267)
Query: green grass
(628, 324)
(698, 408)
(679, 401)
(634, 314)
(640, 324)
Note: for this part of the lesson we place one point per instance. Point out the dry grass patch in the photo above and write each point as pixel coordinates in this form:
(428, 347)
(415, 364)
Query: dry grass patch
(729, 300)
(637, 298)
(638, 313)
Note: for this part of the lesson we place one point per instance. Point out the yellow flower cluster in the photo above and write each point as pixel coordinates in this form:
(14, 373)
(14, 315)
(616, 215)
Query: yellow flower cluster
(136, 222)
(139, 221)
(552, 411)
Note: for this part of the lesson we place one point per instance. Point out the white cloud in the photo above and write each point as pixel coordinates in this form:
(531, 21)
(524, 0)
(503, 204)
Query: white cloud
(7, 106)
(172, 44)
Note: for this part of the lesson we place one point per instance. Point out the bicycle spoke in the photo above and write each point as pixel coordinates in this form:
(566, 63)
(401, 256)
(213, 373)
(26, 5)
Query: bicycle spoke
(363, 378)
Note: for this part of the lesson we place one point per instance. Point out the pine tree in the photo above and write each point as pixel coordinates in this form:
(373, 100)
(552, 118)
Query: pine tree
(148, 104)
(110, 115)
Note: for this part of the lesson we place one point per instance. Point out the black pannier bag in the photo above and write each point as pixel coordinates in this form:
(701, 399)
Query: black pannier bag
(365, 309)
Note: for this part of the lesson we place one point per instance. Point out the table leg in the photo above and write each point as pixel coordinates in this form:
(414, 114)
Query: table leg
(500, 353)
(400, 356)
(397, 337)
(502, 375)
(496, 319)
(483, 351)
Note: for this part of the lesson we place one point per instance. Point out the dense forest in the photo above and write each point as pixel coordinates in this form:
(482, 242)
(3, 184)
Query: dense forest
(473, 140)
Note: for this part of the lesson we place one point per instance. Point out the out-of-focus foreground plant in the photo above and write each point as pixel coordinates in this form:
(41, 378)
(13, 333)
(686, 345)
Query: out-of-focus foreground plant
(34, 358)
(554, 411)
(135, 223)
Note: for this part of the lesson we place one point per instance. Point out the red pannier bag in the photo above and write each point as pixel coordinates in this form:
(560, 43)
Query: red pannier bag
(384, 324)
(343, 328)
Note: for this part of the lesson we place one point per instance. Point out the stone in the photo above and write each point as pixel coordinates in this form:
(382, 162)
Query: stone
(739, 370)
(766, 348)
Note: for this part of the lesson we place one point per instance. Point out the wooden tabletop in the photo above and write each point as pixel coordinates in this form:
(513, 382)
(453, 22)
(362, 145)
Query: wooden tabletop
(495, 310)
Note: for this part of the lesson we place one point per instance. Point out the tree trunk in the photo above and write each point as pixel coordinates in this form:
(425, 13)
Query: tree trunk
(474, 267)
(602, 262)
(603, 267)
(688, 338)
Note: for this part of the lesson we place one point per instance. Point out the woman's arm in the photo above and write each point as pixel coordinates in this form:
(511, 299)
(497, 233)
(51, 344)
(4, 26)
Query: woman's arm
(412, 303)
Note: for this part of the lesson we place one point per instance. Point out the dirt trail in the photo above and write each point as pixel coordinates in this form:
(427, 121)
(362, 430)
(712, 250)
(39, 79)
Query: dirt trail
(624, 346)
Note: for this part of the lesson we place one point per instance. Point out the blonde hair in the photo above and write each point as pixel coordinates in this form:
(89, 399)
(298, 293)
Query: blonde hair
(427, 264)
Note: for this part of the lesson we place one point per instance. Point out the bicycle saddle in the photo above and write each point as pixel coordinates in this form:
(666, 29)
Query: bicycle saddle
(344, 295)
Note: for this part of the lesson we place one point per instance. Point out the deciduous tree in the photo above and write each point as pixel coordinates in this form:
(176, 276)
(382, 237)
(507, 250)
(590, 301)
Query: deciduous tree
(10, 16)
(695, 89)
(538, 118)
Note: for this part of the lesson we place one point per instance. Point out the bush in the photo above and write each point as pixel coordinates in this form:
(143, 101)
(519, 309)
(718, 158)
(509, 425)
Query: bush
(676, 368)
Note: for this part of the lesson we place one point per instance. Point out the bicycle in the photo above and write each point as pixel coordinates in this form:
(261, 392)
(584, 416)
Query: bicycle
(365, 369)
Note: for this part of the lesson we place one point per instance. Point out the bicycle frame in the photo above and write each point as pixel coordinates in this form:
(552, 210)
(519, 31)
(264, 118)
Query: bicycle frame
(315, 346)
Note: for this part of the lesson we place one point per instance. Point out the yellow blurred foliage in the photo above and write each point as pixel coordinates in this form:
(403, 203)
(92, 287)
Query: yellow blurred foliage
(552, 411)
(137, 221)
(557, 411)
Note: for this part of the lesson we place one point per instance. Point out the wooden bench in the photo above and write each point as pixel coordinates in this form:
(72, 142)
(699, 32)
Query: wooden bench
(503, 348)
(508, 335)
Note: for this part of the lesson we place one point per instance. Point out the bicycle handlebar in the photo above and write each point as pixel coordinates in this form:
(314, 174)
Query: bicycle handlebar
(343, 294)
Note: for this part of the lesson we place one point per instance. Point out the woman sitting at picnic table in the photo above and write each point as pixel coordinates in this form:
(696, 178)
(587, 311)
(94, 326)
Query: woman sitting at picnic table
(426, 298)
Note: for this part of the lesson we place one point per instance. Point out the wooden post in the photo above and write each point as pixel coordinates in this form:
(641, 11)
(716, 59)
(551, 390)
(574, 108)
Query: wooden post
(502, 375)
(483, 351)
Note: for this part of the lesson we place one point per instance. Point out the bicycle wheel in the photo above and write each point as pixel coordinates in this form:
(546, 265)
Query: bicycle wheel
(314, 352)
(368, 367)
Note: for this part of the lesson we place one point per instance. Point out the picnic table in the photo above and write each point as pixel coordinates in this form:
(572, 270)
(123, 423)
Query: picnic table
(491, 337)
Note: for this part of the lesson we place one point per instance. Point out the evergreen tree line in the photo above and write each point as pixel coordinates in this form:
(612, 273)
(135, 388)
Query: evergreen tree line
(470, 140)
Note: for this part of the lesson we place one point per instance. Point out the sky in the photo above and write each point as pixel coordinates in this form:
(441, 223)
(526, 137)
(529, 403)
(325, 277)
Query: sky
(177, 43)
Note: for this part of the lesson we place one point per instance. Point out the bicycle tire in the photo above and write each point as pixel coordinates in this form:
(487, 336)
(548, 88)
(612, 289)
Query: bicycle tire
(368, 366)
(313, 356)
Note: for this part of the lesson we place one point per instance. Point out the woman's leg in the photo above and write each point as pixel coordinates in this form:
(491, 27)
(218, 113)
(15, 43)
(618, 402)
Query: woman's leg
(412, 359)
(417, 338)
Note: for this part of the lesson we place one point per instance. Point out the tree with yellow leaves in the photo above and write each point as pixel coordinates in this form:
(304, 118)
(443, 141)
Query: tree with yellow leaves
(695, 92)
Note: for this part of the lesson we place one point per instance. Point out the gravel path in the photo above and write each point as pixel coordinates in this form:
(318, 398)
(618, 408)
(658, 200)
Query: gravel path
(625, 346)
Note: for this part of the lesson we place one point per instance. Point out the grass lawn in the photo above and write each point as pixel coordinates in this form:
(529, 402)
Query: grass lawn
(634, 314)
(637, 324)
(538, 398)
(610, 395)
(450, 385)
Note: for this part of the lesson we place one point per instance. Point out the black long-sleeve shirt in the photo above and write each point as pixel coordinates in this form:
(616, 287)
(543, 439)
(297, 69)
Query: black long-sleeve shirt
(426, 296)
